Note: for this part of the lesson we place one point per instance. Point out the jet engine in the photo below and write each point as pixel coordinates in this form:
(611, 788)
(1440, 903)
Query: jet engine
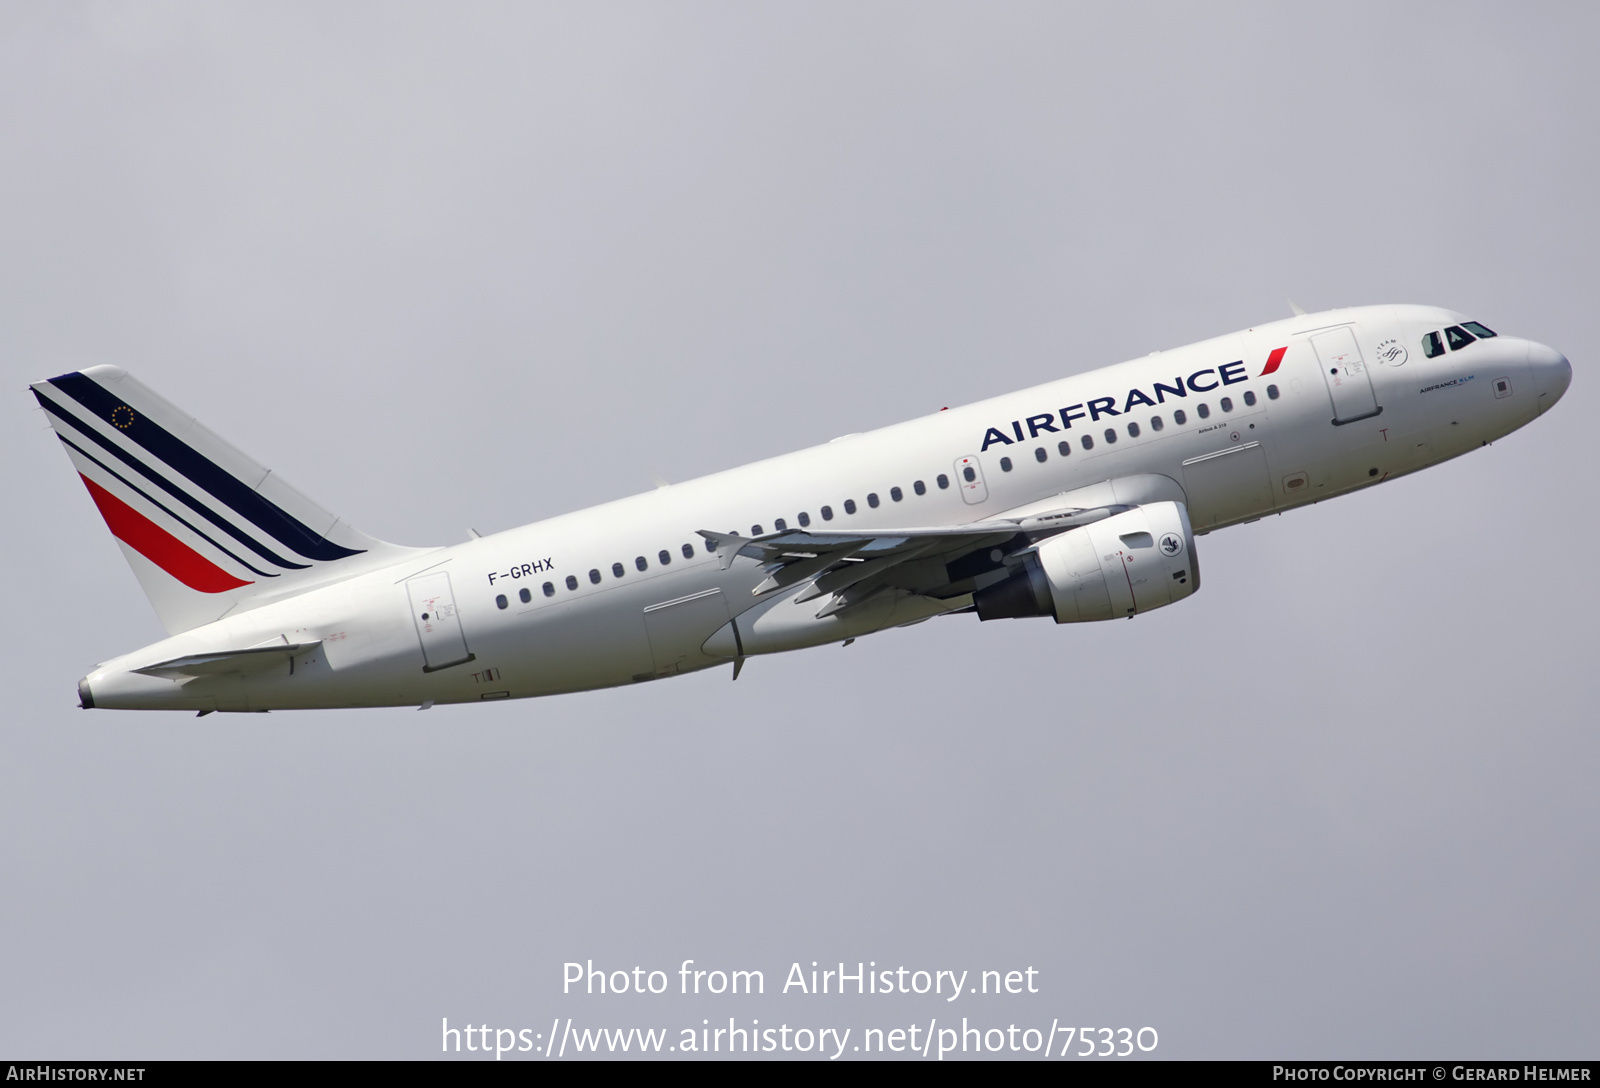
(1123, 565)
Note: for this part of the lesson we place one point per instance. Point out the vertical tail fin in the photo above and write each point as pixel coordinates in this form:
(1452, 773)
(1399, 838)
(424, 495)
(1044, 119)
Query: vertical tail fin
(206, 529)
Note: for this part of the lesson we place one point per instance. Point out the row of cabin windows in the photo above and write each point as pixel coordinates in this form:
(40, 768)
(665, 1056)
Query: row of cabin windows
(781, 525)
(664, 557)
(1179, 417)
(1459, 336)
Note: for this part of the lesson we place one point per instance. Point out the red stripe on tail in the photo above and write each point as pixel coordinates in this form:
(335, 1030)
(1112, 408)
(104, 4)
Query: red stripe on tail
(1273, 360)
(159, 546)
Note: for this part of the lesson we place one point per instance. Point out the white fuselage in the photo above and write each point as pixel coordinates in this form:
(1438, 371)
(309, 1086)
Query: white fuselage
(1261, 444)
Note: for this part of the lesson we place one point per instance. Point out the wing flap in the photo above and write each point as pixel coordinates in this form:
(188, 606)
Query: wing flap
(846, 575)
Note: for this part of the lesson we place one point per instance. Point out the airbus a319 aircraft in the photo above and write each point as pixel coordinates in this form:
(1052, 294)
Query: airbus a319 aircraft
(1077, 500)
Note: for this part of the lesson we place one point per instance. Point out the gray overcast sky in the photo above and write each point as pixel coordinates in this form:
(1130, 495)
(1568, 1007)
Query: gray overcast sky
(472, 265)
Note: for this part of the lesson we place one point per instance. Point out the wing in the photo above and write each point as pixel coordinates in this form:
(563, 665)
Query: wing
(940, 562)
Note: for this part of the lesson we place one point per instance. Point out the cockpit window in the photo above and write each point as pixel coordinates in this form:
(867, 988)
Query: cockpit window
(1480, 331)
(1432, 345)
(1458, 337)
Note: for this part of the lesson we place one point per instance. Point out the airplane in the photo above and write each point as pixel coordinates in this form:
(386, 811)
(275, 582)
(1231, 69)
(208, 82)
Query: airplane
(1078, 500)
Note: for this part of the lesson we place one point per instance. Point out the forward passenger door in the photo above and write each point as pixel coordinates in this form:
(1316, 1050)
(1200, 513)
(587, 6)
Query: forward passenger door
(1349, 383)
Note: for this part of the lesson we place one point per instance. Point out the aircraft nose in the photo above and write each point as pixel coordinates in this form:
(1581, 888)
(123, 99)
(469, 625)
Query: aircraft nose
(1551, 372)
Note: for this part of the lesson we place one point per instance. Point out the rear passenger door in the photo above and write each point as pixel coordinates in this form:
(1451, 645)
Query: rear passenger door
(438, 623)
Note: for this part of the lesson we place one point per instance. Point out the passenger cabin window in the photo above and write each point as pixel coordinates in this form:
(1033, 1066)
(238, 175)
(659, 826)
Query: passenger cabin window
(594, 576)
(572, 581)
(827, 513)
(549, 589)
(616, 570)
(942, 480)
(1155, 423)
(1482, 332)
(872, 499)
(688, 551)
(1111, 436)
(780, 525)
(641, 563)
(1063, 448)
(969, 474)
(1203, 411)
(663, 557)
(501, 602)
(1272, 392)
(849, 506)
(755, 530)
(920, 488)
(1040, 455)
(804, 519)
(1133, 430)
(1227, 404)
(1180, 417)
(524, 594)
(1005, 464)
(896, 494)
(1249, 398)
(1088, 442)
(1432, 345)
(1458, 337)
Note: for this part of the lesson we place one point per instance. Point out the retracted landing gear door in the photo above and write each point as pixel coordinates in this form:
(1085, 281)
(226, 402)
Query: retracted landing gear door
(433, 610)
(678, 628)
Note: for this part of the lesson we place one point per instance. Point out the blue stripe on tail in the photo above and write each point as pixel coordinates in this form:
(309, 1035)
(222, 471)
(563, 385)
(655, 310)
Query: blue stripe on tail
(166, 485)
(201, 470)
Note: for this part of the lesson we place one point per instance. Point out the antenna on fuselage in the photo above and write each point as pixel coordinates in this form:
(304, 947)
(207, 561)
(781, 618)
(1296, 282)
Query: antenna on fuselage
(1295, 308)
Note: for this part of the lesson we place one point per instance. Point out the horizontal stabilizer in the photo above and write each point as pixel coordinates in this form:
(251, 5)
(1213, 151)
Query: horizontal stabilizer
(228, 662)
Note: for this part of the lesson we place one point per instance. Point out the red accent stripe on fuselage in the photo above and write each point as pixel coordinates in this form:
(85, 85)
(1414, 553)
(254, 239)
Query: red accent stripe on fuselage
(1273, 360)
(159, 546)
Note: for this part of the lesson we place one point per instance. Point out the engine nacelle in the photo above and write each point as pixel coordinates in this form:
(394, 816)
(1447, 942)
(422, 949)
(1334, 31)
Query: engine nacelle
(1121, 566)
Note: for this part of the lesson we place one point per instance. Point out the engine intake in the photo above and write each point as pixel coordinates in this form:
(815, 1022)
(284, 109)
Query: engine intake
(1127, 564)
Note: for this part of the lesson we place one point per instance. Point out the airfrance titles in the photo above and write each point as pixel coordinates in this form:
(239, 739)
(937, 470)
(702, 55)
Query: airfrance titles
(1228, 374)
